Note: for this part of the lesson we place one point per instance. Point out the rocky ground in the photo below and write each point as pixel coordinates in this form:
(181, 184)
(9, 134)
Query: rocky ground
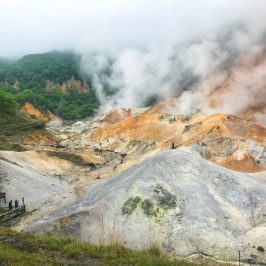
(184, 203)
(117, 176)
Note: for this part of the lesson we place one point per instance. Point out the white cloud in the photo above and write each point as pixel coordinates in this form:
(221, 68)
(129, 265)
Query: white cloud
(151, 48)
(36, 26)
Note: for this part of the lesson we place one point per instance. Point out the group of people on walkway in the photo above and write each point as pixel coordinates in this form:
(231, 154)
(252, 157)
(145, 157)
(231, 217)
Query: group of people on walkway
(10, 204)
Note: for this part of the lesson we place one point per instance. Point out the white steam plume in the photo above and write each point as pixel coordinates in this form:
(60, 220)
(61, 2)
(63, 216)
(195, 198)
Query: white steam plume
(192, 70)
(195, 70)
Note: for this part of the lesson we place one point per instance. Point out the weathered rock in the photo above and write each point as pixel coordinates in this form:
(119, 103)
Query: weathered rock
(37, 189)
(220, 138)
(258, 152)
(176, 199)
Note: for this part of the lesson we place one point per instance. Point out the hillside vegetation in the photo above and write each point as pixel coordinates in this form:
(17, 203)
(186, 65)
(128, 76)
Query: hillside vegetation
(33, 70)
(14, 126)
(10, 118)
(28, 249)
(25, 81)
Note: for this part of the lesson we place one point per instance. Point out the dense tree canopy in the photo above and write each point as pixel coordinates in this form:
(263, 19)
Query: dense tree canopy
(32, 71)
(7, 103)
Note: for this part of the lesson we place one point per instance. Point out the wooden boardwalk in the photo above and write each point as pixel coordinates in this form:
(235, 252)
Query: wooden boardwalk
(8, 216)
(3, 196)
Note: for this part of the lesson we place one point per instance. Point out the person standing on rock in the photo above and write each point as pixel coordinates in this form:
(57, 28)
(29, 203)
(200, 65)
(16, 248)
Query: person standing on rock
(16, 204)
(10, 205)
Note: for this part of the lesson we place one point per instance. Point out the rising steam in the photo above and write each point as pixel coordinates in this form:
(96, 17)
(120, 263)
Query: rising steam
(223, 72)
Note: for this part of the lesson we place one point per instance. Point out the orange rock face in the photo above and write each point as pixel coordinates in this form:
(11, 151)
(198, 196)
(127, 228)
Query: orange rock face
(30, 110)
(117, 115)
(225, 136)
(81, 87)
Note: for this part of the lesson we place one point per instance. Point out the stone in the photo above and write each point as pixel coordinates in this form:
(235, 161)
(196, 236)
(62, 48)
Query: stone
(260, 249)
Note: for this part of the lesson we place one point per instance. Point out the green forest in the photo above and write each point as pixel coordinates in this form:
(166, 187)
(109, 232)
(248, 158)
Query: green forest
(32, 72)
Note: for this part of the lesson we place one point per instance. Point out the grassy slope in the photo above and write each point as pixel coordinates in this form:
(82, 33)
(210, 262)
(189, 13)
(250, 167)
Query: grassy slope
(14, 126)
(27, 249)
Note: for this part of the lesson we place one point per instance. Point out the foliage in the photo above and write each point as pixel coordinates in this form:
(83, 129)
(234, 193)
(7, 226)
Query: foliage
(130, 205)
(4, 63)
(32, 72)
(28, 249)
(165, 199)
(73, 105)
(5, 146)
(71, 157)
(148, 207)
(7, 103)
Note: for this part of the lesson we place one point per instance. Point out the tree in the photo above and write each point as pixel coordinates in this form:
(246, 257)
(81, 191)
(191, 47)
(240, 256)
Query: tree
(7, 104)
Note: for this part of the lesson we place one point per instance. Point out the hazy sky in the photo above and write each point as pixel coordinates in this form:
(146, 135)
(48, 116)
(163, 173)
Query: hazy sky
(30, 26)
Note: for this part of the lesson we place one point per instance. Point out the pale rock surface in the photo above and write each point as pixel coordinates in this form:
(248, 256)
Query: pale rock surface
(176, 199)
(38, 190)
(37, 161)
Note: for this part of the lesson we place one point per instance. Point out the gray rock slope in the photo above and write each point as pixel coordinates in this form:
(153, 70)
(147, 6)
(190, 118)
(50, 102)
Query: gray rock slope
(38, 190)
(175, 199)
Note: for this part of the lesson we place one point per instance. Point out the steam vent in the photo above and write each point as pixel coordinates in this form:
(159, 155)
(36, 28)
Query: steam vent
(133, 133)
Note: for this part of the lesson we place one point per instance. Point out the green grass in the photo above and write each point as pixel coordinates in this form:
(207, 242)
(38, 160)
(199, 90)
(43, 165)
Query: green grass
(74, 158)
(14, 127)
(6, 146)
(16, 122)
(28, 249)
(10, 119)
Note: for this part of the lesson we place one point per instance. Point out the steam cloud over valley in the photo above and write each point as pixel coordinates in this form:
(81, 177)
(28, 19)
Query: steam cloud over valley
(193, 70)
(135, 130)
(137, 53)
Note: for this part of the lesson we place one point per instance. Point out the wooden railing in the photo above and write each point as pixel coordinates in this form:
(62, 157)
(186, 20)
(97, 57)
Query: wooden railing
(3, 196)
(8, 216)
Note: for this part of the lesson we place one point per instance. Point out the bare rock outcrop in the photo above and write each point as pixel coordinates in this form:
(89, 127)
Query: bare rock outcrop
(29, 110)
(176, 199)
(37, 189)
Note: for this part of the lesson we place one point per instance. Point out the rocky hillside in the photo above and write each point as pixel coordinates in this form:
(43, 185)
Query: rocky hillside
(31, 111)
(176, 199)
(227, 140)
(71, 84)
(193, 184)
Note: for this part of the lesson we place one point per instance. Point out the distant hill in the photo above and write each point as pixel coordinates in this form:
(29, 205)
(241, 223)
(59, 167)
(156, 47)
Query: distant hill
(4, 64)
(32, 71)
(51, 82)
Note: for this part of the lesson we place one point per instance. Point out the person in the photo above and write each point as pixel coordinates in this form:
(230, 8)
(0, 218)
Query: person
(10, 205)
(16, 204)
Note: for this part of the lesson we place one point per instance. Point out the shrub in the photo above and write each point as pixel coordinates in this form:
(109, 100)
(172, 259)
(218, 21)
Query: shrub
(130, 205)
(7, 104)
(165, 199)
(148, 207)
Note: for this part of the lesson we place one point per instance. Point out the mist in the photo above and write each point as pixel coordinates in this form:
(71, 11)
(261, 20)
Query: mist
(140, 52)
(30, 26)
(231, 57)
